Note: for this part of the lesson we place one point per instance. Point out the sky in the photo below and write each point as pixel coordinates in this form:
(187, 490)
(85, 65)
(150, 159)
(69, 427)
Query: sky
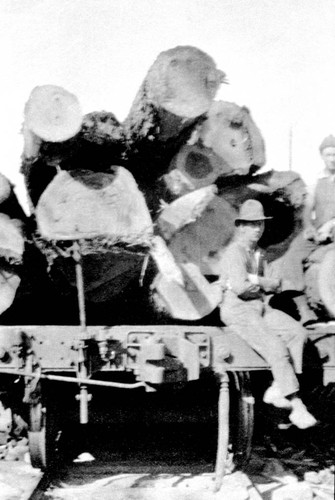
(278, 56)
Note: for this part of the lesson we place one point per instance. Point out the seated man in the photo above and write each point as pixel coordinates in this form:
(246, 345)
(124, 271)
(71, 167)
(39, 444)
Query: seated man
(319, 223)
(320, 207)
(277, 337)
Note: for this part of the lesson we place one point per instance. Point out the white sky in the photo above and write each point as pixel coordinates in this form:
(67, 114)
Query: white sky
(279, 56)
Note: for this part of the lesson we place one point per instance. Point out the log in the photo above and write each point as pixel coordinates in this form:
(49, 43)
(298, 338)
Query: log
(200, 241)
(11, 240)
(98, 145)
(227, 143)
(203, 240)
(5, 188)
(52, 114)
(84, 205)
(177, 90)
(184, 210)
(194, 167)
(9, 283)
(108, 215)
(11, 258)
(232, 134)
(192, 301)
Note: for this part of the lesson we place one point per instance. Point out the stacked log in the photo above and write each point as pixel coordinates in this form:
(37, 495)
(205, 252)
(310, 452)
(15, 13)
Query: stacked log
(177, 90)
(201, 241)
(107, 214)
(12, 243)
(227, 143)
(157, 193)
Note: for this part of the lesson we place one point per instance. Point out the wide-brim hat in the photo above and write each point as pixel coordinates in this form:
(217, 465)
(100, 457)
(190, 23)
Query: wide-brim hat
(251, 210)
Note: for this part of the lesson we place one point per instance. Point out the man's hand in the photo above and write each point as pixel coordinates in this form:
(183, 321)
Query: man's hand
(325, 232)
(270, 285)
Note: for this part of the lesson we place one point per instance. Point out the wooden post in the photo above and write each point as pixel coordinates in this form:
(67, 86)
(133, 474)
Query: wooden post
(223, 431)
(80, 287)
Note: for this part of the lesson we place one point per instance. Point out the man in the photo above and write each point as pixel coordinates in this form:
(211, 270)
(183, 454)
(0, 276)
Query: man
(319, 224)
(277, 337)
(320, 208)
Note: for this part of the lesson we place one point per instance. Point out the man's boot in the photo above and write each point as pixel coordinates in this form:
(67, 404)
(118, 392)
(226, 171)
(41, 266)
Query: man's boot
(307, 316)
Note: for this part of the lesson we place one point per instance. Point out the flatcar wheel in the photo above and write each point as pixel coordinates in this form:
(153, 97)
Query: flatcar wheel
(37, 436)
(241, 417)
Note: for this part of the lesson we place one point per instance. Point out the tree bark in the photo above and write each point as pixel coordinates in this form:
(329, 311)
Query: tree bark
(177, 91)
(108, 215)
(98, 145)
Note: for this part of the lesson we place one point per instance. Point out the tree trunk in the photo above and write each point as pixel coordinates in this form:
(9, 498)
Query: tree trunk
(52, 114)
(232, 134)
(177, 91)
(12, 244)
(194, 167)
(227, 143)
(108, 215)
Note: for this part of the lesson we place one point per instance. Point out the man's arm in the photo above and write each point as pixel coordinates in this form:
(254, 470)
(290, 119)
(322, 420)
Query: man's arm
(307, 216)
(238, 280)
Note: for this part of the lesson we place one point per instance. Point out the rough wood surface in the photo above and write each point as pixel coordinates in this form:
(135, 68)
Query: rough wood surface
(194, 167)
(9, 283)
(98, 145)
(175, 94)
(232, 134)
(108, 215)
(12, 245)
(84, 204)
(193, 300)
(11, 239)
(202, 240)
(52, 113)
(179, 87)
(185, 210)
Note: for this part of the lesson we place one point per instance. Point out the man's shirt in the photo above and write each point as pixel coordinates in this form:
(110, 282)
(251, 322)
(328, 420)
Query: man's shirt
(243, 272)
(323, 199)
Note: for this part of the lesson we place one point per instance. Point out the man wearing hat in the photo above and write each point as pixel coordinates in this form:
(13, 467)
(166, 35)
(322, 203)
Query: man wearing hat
(277, 337)
(319, 224)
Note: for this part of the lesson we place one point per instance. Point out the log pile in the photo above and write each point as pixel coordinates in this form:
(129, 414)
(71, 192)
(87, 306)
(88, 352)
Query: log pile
(151, 200)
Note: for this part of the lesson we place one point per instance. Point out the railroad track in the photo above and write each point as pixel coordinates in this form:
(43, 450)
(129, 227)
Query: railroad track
(170, 461)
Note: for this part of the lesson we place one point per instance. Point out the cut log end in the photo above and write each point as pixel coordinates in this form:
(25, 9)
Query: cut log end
(53, 113)
(231, 133)
(11, 239)
(184, 80)
(5, 188)
(194, 167)
(84, 204)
